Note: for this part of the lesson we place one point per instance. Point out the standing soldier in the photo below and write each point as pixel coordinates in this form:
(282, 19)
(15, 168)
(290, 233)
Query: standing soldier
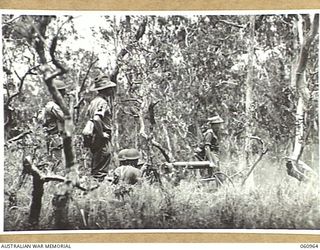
(97, 132)
(54, 121)
(209, 148)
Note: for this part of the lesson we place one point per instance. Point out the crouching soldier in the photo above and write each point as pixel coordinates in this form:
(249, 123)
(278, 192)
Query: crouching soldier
(128, 172)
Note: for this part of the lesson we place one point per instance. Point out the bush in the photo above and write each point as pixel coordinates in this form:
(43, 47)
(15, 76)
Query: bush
(190, 205)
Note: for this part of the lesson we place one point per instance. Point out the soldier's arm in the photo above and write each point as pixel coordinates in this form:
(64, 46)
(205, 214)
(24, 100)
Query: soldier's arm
(208, 152)
(208, 137)
(98, 127)
(207, 144)
(116, 176)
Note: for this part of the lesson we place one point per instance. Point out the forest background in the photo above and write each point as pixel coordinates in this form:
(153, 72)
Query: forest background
(172, 73)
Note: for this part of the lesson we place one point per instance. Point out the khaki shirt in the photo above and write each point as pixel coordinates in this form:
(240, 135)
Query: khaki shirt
(100, 106)
(53, 118)
(127, 174)
(210, 139)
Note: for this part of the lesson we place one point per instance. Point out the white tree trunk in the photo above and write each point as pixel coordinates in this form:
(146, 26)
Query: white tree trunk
(249, 109)
(299, 129)
(166, 135)
(299, 169)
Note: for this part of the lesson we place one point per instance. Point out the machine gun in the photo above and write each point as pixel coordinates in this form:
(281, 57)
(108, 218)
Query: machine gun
(182, 170)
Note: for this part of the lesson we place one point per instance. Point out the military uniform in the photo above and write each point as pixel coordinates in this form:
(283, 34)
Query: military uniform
(210, 138)
(54, 118)
(127, 174)
(100, 114)
(99, 111)
(53, 123)
(209, 148)
(128, 171)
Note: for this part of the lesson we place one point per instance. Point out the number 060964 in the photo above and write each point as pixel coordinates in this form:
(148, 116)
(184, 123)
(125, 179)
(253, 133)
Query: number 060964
(308, 245)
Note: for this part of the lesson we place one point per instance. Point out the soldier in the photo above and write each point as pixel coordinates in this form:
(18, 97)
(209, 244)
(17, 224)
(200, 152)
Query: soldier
(54, 120)
(128, 172)
(209, 148)
(97, 132)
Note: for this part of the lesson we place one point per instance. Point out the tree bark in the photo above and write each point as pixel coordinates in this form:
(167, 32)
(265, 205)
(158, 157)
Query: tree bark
(166, 134)
(36, 203)
(249, 109)
(62, 197)
(60, 203)
(302, 89)
(115, 113)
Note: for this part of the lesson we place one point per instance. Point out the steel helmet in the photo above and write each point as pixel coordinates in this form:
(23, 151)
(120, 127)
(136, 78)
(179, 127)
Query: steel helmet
(132, 154)
(121, 155)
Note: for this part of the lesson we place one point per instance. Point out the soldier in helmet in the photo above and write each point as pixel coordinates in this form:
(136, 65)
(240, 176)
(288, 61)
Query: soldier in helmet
(98, 139)
(209, 148)
(53, 120)
(128, 172)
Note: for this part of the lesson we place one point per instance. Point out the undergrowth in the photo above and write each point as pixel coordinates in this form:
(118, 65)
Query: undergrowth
(276, 202)
(190, 205)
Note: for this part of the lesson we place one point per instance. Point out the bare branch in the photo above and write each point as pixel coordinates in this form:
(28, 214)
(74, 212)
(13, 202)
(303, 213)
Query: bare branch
(37, 30)
(68, 123)
(124, 51)
(93, 62)
(68, 20)
(54, 60)
(11, 20)
(19, 137)
(162, 150)
(22, 79)
(79, 103)
(232, 24)
(153, 142)
(131, 100)
(54, 45)
(39, 42)
(31, 169)
(254, 166)
(263, 152)
(63, 179)
(264, 149)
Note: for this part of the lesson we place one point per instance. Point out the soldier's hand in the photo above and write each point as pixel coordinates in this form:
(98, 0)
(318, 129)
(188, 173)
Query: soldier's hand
(106, 135)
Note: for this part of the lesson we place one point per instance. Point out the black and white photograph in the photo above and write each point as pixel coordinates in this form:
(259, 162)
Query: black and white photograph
(160, 120)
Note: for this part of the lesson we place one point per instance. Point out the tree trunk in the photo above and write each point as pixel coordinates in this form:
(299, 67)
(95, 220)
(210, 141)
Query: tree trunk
(299, 129)
(60, 203)
(301, 87)
(115, 132)
(68, 131)
(166, 135)
(36, 202)
(246, 155)
(145, 131)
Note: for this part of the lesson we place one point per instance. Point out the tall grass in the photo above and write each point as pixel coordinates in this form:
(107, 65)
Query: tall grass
(277, 202)
(190, 205)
